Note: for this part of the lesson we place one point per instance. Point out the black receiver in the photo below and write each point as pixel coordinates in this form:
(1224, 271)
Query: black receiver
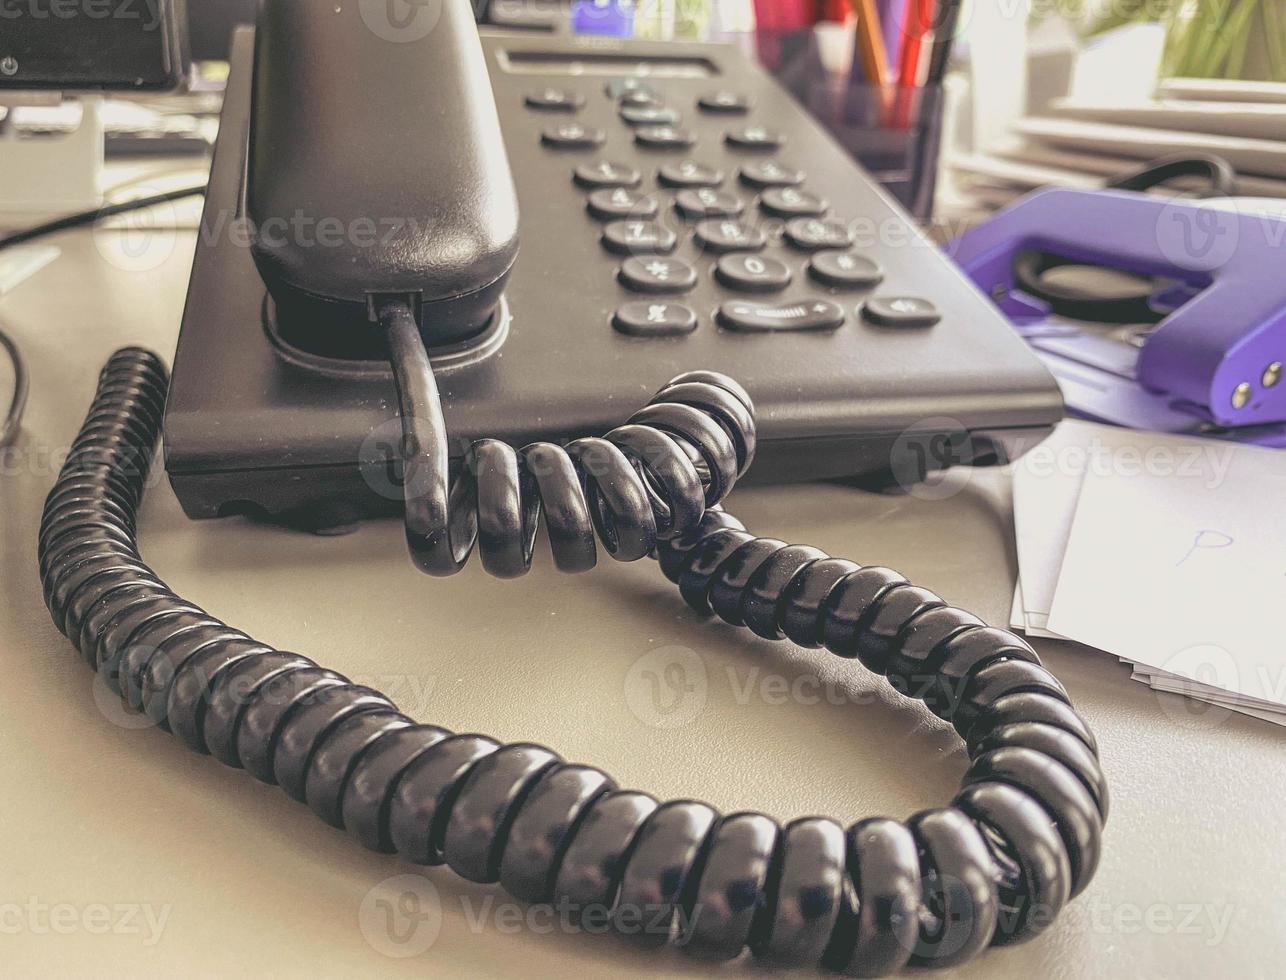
(376, 166)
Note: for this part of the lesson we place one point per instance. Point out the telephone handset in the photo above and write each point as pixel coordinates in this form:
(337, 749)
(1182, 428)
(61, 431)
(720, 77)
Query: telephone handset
(1020, 839)
(355, 130)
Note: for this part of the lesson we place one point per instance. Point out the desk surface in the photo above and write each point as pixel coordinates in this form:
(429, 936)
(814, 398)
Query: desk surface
(127, 853)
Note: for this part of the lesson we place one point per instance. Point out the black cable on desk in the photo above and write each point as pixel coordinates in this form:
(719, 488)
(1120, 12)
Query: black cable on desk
(17, 405)
(13, 417)
(96, 214)
(995, 866)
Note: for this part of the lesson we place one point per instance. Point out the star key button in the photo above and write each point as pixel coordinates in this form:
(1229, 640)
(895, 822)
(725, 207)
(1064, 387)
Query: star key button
(604, 173)
(638, 237)
(572, 136)
(653, 319)
(657, 274)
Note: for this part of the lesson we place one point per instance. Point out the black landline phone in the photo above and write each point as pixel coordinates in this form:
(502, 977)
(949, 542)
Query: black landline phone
(349, 123)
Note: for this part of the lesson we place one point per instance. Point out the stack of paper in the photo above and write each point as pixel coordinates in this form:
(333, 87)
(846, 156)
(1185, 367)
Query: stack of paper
(1168, 552)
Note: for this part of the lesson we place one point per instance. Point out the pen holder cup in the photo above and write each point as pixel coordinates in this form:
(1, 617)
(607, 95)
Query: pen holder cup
(892, 131)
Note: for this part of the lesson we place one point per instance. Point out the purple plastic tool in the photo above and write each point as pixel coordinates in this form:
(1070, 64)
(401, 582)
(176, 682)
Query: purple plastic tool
(1213, 362)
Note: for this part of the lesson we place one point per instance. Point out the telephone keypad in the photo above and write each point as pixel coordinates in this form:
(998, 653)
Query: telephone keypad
(657, 274)
(633, 237)
(715, 224)
(604, 173)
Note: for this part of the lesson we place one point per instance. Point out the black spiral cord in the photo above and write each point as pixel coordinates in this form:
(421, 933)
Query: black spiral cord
(995, 866)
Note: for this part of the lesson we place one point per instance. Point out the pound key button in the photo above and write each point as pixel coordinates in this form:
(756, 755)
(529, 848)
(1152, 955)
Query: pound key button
(845, 270)
(748, 317)
(900, 311)
(652, 319)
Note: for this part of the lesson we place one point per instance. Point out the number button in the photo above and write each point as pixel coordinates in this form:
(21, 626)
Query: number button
(689, 173)
(706, 202)
(664, 138)
(649, 115)
(615, 203)
(646, 319)
(606, 174)
(626, 88)
(900, 311)
(754, 138)
(657, 275)
(572, 136)
(749, 317)
(724, 101)
(845, 270)
(752, 273)
(812, 234)
(770, 173)
(791, 202)
(725, 235)
(638, 237)
(554, 100)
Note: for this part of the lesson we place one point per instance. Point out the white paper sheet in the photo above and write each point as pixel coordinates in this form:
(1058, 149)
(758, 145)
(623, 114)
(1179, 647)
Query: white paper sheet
(1179, 564)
